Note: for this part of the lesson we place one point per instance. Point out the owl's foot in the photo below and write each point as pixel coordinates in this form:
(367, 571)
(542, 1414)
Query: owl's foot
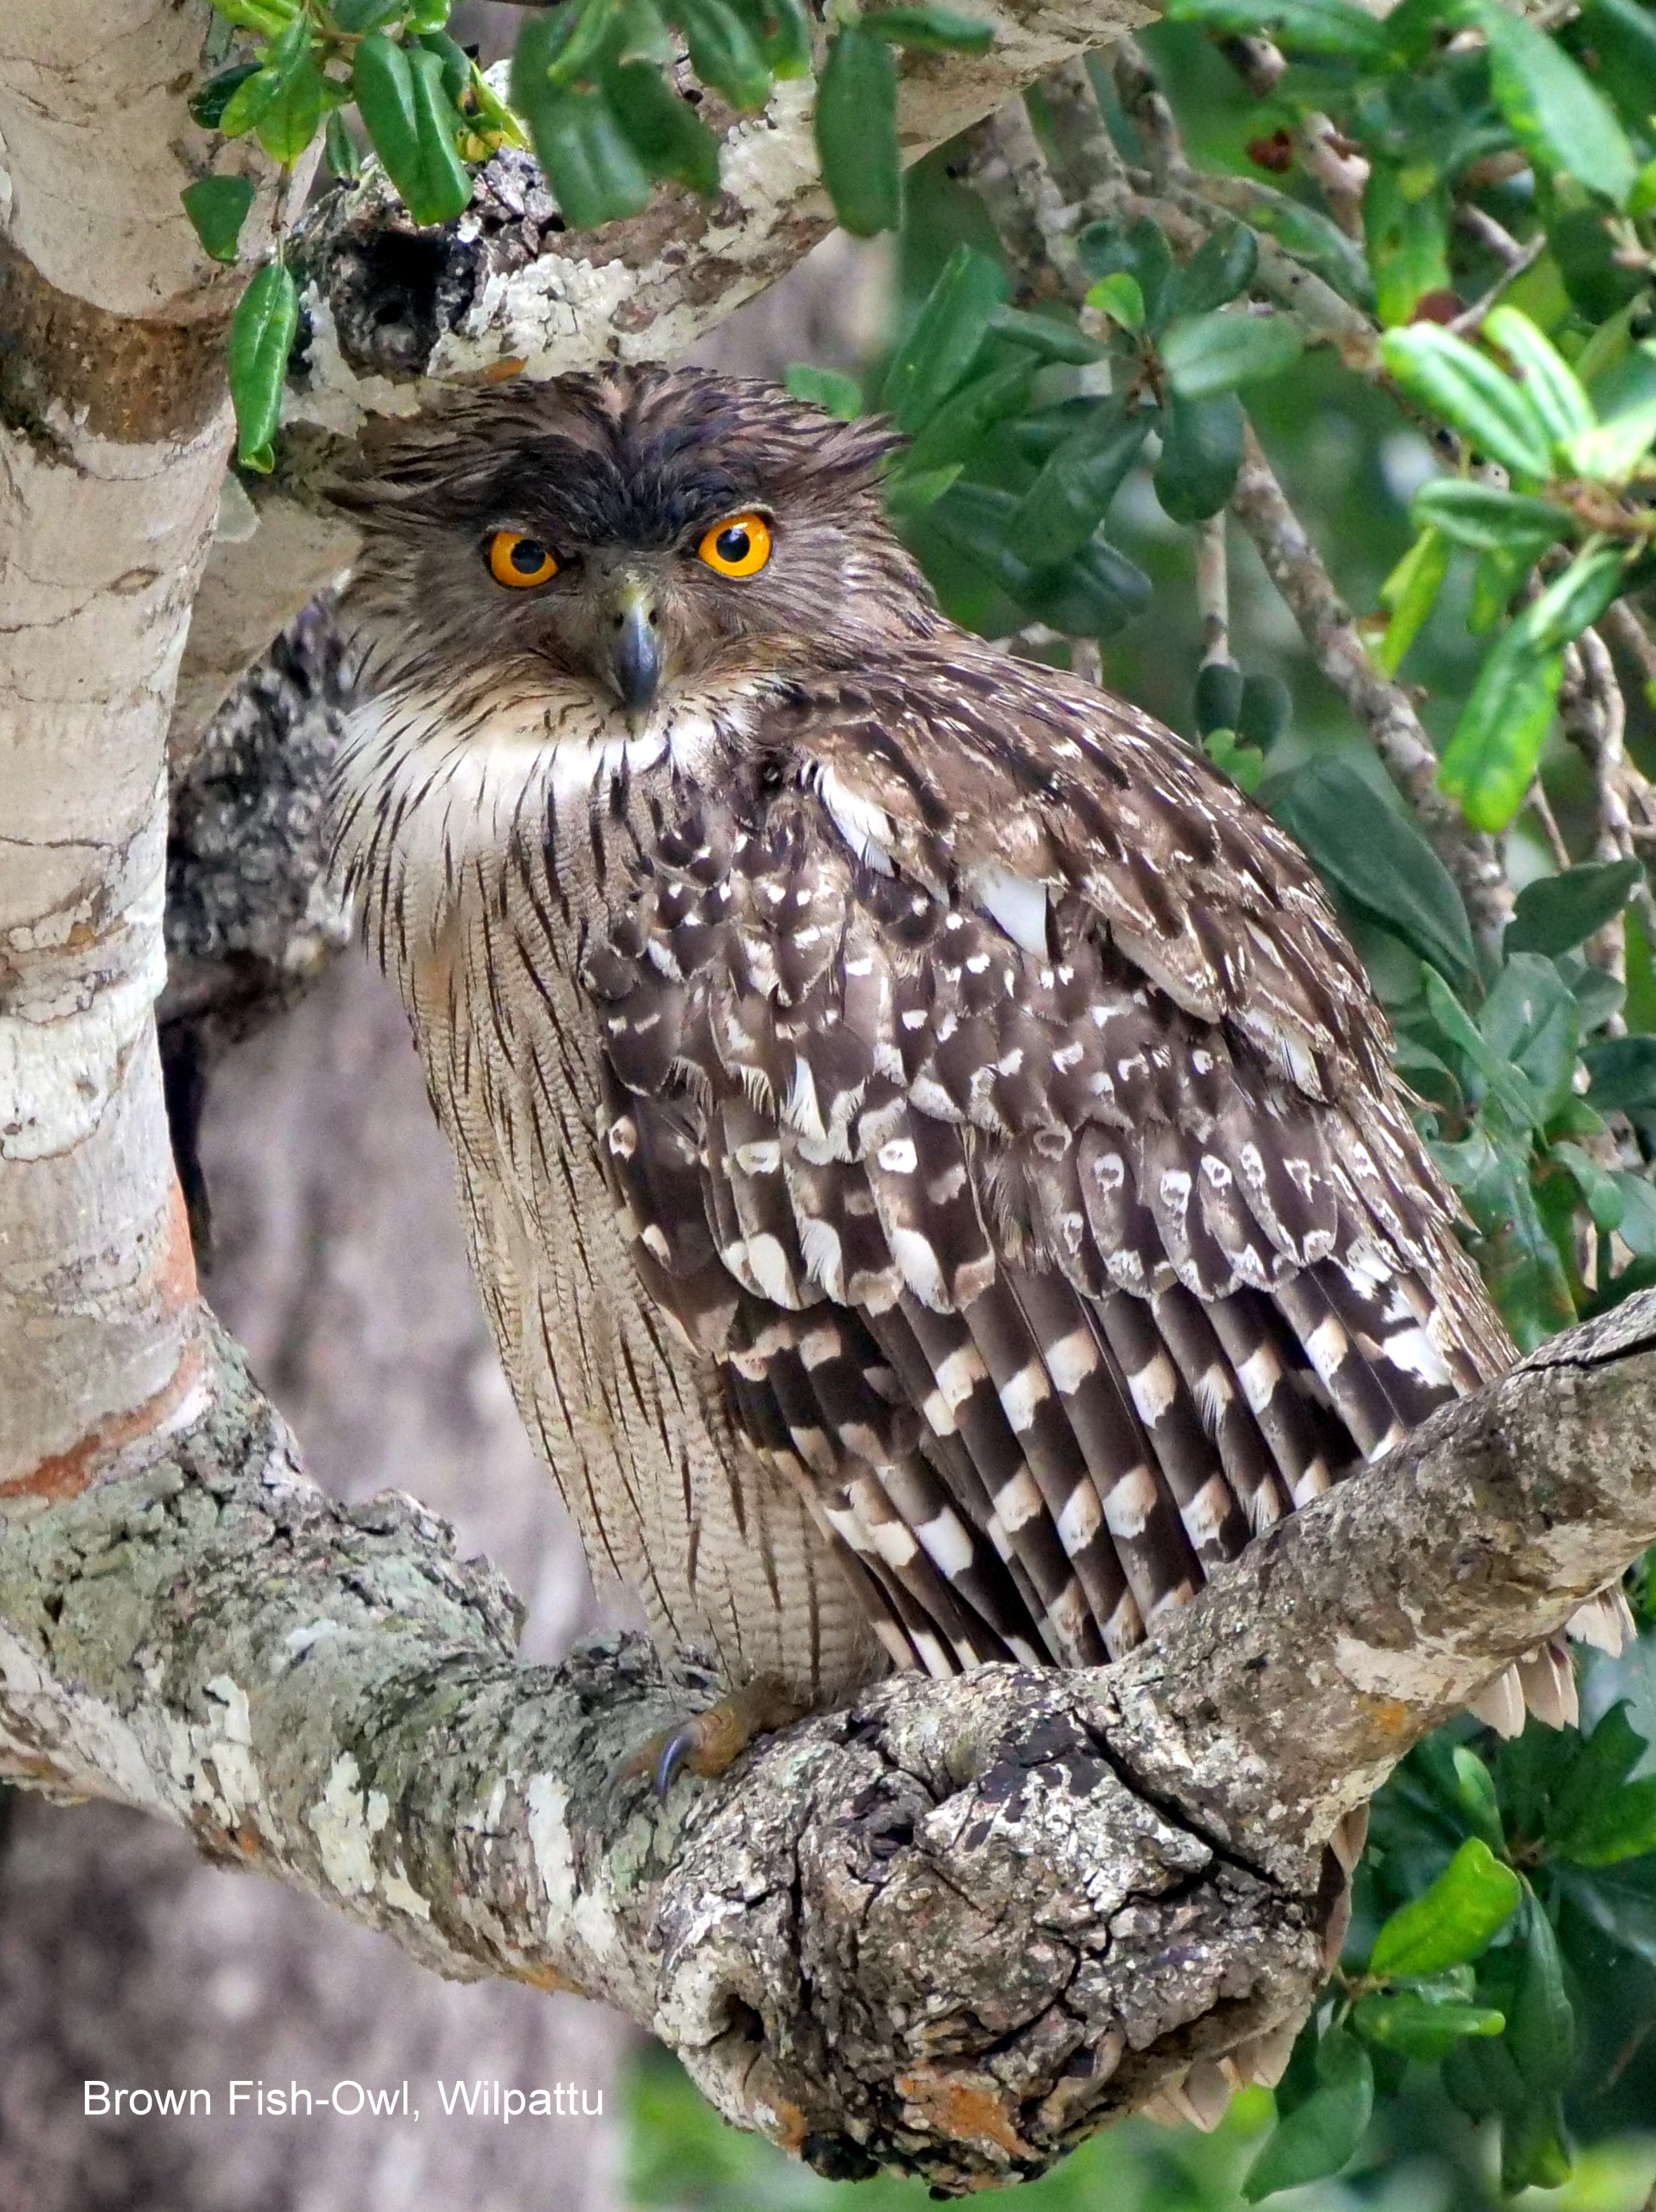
(707, 1743)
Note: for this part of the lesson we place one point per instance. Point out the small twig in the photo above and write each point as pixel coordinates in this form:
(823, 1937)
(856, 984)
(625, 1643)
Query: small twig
(1384, 706)
(1146, 106)
(1094, 172)
(1009, 171)
(1594, 716)
(1260, 65)
(1470, 318)
(1213, 589)
(1489, 233)
(1342, 175)
(1087, 661)
(1541, 807)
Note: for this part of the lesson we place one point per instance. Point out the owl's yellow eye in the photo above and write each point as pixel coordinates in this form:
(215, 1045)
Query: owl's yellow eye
(518, 561)
(739, 547)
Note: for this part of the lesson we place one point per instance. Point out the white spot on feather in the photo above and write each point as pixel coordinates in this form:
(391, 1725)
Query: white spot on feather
(1016, 903)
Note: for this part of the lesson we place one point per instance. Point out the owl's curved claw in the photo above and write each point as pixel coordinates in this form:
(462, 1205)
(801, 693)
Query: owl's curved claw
(678, 1747)
(708, 1741)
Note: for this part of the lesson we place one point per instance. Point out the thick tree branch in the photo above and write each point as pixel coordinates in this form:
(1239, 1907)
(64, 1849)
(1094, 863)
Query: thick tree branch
(954, 1929)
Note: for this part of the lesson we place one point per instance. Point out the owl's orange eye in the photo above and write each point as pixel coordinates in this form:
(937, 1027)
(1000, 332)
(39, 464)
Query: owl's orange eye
(739, 547)
(519, 561)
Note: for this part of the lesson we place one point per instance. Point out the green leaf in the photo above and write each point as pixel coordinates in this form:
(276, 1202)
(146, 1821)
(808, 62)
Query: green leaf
(1499, 574)
(1141, 251)
(1557, 913)
(1266, 709)
(1556, 114)
(261, 337)
(1070, 496)
(1552, 386)
(1470, 393)
(1420, 2028)
(1322, 2135)
(941, 348)
(724, 52)
(1336, 29)
(1201, 453)
(857, 136)
(830, 389)
(592, 165)
(915, 489)
(341, 148)
(208, 101)
(1541, 2030)
(951, 433)
(664, 132)
(1490, 762)
(1579, 597)
(1623, 1072)
(1374, 852)
(1407, 234)
(1475, 1788)
(218, 206)
(1218, 697)
(363, 16)
(408, 119)
(1534, 2153)
(1462, 1912)
(1121, 297)
(1603, 1201)
(1410, 591)
(1625, 1829)
(1242, 763)
(267, 17)
(1206, 354)
(1221, 268)
(289, 119)
(1530, 1022)
(1481, 515)
(784, 31)
(1089, 596)
(1046, 335)
(931, 29)
(1623, 39)
(1597, 1816)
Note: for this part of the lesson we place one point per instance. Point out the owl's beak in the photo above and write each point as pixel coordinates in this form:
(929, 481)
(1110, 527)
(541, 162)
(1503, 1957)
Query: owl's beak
(635, 656)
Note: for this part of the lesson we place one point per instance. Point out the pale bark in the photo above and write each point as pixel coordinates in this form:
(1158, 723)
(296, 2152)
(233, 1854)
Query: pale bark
(953, 1929)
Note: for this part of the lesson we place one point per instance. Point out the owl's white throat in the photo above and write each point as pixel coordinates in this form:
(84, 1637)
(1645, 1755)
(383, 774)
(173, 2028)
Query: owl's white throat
(426, 796)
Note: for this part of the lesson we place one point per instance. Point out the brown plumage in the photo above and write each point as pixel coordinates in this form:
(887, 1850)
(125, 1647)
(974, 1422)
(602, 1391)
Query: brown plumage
(930, 1154)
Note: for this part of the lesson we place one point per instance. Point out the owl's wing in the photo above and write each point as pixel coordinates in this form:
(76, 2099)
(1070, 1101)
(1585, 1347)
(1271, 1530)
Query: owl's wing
(992, 1094)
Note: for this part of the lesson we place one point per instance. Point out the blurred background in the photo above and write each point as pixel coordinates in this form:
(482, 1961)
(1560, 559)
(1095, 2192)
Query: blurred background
(338, 1261)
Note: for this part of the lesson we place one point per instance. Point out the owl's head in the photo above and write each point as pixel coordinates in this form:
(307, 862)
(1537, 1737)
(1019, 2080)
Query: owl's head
(645, 533)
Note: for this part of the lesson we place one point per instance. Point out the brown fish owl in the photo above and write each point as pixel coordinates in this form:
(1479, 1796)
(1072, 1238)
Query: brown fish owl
(929, 1152)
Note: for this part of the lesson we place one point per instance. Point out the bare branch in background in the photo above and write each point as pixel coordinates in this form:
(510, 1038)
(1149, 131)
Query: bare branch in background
(1384, 707)
(1213, 588)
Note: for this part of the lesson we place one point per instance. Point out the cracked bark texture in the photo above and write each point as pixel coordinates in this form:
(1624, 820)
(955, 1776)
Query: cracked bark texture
(952, 1928)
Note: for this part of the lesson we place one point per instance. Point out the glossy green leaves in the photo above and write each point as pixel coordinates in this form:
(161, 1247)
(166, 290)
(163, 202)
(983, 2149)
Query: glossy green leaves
(261, 334)
(1462, 1912)
(1320, 2135)
(412, 125)
(857, 132)
(218, 206)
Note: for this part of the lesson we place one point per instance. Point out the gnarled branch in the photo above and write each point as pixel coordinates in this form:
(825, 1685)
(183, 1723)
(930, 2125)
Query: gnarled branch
(953, 1929)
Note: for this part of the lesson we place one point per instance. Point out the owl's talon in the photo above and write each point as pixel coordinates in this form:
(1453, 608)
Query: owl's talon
(678, 1747)
(709, 1741)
